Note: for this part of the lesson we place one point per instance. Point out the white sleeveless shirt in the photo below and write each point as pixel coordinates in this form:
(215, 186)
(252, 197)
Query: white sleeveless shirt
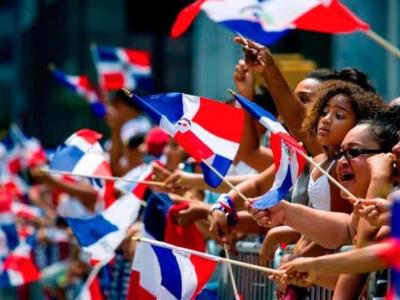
(319, 192)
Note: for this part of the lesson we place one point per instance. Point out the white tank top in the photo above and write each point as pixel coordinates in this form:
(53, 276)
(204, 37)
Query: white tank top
(319, 192)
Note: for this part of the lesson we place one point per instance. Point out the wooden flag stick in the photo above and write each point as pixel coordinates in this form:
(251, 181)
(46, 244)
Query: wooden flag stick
(230, 271)
(382, 42)
(155, 183)
(209, 256)
(216, 172)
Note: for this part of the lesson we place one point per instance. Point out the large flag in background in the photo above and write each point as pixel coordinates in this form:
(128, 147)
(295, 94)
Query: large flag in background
(80, 84)
(288, 162)
(265, 21)
(159, 273)
(100, 235)
(207, 129)
(123, 67)
(82, 154)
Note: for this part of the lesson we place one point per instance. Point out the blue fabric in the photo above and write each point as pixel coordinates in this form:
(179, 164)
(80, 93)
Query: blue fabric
(220, 163)
(170, 272)
(107, 54)
(396, 220)
(154, 218)
(255, 110)
(273, 197)
(89, 231)
(10, 231)
(66, 158)
(254, 31)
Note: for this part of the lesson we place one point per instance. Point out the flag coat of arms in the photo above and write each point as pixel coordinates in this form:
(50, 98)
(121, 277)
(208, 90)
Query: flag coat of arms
(208, 130)
(265, 21)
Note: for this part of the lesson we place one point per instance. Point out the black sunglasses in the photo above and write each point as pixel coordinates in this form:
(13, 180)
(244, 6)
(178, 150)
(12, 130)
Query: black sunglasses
(354, 152)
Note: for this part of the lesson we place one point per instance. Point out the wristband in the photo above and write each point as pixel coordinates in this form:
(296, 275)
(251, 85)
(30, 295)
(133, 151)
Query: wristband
(226, 205)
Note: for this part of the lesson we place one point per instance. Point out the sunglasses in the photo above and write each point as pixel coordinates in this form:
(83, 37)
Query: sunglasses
(354, 152)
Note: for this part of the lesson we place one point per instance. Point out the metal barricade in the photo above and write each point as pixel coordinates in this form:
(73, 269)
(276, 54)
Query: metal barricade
(253, 285)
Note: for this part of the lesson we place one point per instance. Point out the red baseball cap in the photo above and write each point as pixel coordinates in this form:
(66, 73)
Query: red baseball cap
(155, 141)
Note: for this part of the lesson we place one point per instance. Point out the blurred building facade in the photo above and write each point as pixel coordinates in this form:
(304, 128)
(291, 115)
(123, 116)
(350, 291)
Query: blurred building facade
(37, 32)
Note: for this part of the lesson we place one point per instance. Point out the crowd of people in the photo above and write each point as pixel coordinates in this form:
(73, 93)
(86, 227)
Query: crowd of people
(341, 121)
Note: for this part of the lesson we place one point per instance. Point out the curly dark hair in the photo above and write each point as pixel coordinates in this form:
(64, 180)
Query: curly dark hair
(352, 75)
(365, 105)
(383, 132)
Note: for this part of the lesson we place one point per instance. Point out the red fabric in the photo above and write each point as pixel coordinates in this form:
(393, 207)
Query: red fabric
(183, 236)
(113, 81)
(193, 145)
(135, 291)
(89, 135)
(94, 289)
(185, 18)
(335, 18)
(83, 81)
(23, 265)
(390, 252)
(227, 125)
(139, 57)
(14, 165)
(204, 269)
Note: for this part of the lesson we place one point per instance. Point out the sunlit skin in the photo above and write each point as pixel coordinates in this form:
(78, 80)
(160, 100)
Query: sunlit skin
(336, 120)
(353, 173)
(305, 90)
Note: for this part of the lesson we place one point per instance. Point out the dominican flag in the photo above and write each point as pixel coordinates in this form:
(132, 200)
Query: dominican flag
(18, 267)
(101, 234)
(80, 84)
(123, 67)
(82, 154)
(160, 273)
(266, 21)
(288, 162)
(207, 129)
(391, 255)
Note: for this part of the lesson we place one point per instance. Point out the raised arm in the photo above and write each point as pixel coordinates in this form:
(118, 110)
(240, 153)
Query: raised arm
(290, 108)
(250, 150)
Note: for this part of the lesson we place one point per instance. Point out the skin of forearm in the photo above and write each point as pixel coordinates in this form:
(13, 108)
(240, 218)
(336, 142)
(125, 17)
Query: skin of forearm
(378, 188)
(349, 286)
(247, 224)
(85, 193)
(286, 235)
(312, 250)
(351, 262)
(328, 229)
(250, 151)
(291, 109)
